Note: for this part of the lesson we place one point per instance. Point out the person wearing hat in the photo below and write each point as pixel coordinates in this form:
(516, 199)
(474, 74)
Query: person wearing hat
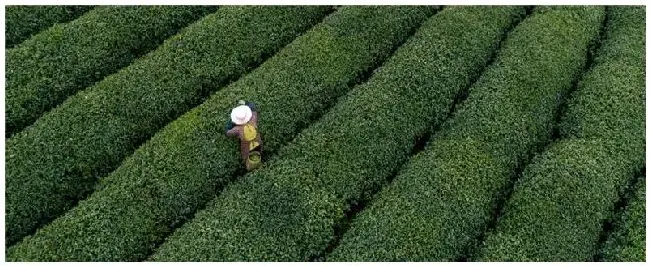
(243, 124)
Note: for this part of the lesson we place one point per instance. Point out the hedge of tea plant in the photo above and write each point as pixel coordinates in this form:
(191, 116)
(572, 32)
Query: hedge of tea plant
(557, 209)
(58, 160)
(66, 58)
(185, 164)
(21, 22)
(440, 203)
(287, 211)
(626, 243)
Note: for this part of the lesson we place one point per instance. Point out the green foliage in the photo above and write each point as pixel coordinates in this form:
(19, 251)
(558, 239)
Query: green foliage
(46, 69)
(627, 241)
(113, 95)
(614, 88)
(287, 210)
(558, 207)
(189, 161)
(625, 34)
(442, 200)
(58, 160)
(21, 22)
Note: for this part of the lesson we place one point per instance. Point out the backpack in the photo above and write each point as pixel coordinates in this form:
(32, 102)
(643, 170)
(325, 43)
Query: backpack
(250, 134)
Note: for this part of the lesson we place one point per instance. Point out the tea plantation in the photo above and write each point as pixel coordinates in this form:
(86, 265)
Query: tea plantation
(391, 133)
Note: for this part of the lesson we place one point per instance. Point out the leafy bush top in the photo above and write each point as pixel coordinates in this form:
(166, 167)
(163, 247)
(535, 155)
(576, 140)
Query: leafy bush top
(441, 202)
(58, 160)
(56, 63)
(21, 22)
(287, 210)
(627, 241)
(558, 207)
(184, 165)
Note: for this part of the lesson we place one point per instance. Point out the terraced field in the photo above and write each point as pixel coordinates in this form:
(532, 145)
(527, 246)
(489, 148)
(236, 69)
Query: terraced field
(393, 133)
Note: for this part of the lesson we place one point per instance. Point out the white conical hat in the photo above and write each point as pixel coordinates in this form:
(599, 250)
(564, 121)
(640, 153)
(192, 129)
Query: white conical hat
(241, 114)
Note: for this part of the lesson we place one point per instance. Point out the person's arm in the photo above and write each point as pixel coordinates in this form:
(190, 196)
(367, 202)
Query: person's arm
(231, 130)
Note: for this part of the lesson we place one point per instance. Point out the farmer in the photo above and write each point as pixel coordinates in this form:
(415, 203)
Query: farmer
(243, 124)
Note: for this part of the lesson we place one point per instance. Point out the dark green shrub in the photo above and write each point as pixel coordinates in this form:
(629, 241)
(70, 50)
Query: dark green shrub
(53, 65)
(558, 207)
(189, 161)
(58, 160)
(287, 211)
(21, 22)
(615, 87)
(442, 200)
(627, 241)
